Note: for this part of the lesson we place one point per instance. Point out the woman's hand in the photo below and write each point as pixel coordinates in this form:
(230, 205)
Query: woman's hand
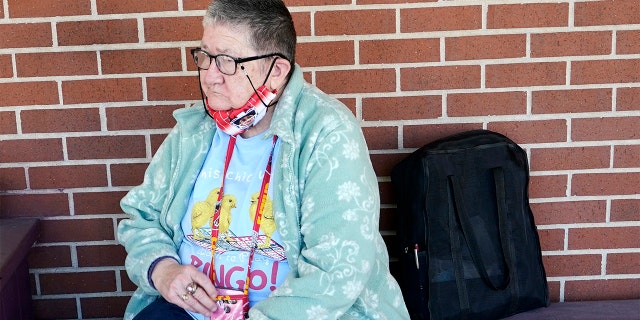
(172, 280)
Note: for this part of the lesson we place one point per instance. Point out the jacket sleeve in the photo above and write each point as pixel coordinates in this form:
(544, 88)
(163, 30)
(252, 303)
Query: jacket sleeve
(144, 233)
(339, 230)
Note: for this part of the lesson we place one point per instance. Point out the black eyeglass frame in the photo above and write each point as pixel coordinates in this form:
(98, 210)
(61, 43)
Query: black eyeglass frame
(235, 60)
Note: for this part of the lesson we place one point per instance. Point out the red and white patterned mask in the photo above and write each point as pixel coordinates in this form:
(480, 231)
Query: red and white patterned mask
(237, 121)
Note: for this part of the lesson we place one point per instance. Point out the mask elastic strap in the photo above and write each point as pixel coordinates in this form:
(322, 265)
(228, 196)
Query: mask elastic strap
(204, 102)
(273, 63)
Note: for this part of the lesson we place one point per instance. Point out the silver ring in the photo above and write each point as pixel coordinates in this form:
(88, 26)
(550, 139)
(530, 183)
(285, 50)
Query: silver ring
(192, 288)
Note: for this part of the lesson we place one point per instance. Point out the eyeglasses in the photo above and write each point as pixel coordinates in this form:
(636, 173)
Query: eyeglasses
(225, 63)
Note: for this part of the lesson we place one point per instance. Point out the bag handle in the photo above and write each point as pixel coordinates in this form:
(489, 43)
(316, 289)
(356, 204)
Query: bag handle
(469, 233)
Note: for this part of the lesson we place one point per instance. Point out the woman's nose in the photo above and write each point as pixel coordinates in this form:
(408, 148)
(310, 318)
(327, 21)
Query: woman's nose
(211, 76)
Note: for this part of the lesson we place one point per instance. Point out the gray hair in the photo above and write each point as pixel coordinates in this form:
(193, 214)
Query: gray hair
(269, 22)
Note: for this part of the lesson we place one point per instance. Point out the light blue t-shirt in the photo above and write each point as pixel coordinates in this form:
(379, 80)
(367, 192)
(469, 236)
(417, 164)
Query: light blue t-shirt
(241, 189)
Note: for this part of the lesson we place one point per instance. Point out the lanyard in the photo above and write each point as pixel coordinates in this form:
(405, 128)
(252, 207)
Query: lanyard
(258, 216)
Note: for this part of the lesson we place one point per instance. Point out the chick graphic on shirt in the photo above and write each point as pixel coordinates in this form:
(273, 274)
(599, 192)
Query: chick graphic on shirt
(202, 212)
(228, 202)
(267, 224)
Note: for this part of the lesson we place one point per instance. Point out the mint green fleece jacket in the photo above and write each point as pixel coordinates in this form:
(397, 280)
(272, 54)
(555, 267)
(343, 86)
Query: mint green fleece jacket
(326, 206)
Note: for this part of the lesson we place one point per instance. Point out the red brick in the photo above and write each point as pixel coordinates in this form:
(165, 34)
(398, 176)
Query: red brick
(571, 44)
(195, 4)
(28, 93)
(399, 51)
(60, 120)
(31, 150)
(532, 15)
(292, 3)
(50, 257)
(102, 90)
(101, 255)
(628, 99)
(572, 265)
(127, 284)
(355, 22)
(56, 64)
(381, 138)
(106, 147)
(115, 7)
(334, 53)
(525, 74)
(74, 176)
(97, 32)
(12, 179)
(486, 104)
(388, 216)
(605, 71)
(76, 230)
(77, 282)
(551, 239)
(628, 41)
(443, 18)
(401, 108)
(104, 307)
(601, 129)
(569, 212)
(604, 238)
(6, 66)
(416, 136)
(486, 47)
(548, 186)
(127, 174)
(570, 158)
(390, 1)
(626, 156)
(8, 123)
(173, 29)
(141, 61)
(34, 205)
(625, 210)
(24, 35)
(571, 101)
(356, 81)
(440, 78)
(598, 184)
(607, 12)
(48, 8)
(156, 140)
(97, 202)
(142, 117)
(302, 23)
(554, 290)
(623, 263)
(383, 163)
(173, 88)
(532, 131)
(612, 289)
(55, 308)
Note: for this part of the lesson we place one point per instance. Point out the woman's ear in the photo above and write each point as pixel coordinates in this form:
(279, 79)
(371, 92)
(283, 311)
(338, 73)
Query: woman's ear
(278, 77)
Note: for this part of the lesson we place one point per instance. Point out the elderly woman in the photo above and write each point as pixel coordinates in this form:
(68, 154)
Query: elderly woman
(270, 175)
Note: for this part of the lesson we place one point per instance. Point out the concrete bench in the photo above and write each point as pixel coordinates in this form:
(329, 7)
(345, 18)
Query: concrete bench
(585, 310)
(16, 238)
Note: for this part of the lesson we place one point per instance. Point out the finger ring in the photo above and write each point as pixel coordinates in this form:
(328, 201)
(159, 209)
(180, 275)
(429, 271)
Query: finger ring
(192, 288)
(185, 297)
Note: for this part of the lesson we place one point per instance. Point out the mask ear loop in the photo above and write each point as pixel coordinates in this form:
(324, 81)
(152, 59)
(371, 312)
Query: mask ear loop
(204, 102)
(273, 63)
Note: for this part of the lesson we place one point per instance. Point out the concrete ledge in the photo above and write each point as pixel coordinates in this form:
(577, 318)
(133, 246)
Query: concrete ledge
(585, 310)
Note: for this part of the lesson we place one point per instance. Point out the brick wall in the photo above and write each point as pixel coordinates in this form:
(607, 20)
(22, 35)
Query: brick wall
(87, 88)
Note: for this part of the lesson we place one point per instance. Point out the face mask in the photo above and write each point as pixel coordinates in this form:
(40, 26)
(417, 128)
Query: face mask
(237, 121)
